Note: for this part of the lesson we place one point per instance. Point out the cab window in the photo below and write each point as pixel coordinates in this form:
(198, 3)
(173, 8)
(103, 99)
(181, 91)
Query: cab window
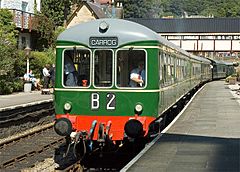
(76, 71)
(103, 66)
(131, 65)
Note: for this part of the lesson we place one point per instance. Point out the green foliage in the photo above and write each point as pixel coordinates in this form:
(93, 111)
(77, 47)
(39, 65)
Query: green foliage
(7, 42)
(8, 46)
(44, 26)
(136, 8)
(9, 86)
(39, 60)
(13, 61)
(56, 33)
(179, 8)
(5, 87)
(230, 8)
(49, 22)
(35, 7)
(216, 8)
(13, 82)
(20, 65)
(17, 85)
(54, 10)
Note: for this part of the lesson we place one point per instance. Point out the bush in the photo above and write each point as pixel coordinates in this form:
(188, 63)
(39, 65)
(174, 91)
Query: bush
(18, 85)
(36, 62)
(20, 66)
(8, 86)
(39, 60)
(5, 87)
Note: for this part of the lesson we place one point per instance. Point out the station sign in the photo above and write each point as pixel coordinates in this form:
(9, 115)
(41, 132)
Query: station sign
(103, 41)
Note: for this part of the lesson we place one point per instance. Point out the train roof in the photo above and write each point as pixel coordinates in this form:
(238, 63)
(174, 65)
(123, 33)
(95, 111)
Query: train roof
(229, 63)
(126, 32)
(203, 59)
(217, 61)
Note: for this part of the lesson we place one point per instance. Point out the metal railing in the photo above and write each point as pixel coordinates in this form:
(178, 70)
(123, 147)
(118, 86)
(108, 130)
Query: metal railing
(22, 19)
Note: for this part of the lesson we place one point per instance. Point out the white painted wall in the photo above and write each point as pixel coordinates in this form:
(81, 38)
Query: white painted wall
(205, 45)
(208, 45)
(17, 4)
(236, 45)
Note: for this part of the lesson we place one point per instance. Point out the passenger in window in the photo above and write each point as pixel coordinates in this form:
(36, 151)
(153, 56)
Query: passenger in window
(137, 76)
(70, 73)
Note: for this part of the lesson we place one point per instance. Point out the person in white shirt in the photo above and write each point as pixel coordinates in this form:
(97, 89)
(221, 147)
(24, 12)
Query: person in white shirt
(137, 76)
(46, 76)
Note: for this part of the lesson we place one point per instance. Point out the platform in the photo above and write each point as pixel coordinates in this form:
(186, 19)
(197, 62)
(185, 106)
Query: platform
(22, 99)
(205, 137)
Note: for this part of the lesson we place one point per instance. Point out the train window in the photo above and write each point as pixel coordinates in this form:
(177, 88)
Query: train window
(169, 70)
(164, 69)
(103, 61)
(131, 65)
(76, 68)
(160, 66)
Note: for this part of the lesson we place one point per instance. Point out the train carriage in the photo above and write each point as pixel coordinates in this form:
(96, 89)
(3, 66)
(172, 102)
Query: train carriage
(230, 68)
(94, 98)
(219, 69)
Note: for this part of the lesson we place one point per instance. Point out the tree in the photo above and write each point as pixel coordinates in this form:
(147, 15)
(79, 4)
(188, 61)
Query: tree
(217, 8)
(45, 26)
(8, 42)
(154, 8)
(56, 10)
(8, 47)
(141, 8)
(53, 14)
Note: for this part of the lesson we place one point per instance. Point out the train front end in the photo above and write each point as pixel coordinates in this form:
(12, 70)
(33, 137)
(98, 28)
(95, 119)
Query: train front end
(95, 103)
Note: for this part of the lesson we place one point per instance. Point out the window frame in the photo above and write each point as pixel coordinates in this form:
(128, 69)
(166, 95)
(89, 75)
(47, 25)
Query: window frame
(90, 68)
(24, 6)
(93, 68)
(146, 69)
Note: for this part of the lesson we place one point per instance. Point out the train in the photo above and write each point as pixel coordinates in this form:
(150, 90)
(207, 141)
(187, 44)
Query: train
(95, 105)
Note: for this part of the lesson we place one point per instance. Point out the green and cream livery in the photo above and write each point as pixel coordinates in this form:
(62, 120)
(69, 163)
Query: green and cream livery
(94, 98)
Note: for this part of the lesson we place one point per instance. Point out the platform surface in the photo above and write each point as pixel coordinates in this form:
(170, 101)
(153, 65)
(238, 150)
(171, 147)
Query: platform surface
(18, 99)
(205, 138)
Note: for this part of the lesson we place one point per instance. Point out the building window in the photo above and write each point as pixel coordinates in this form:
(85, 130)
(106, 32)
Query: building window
(24, 6)
(24, 42)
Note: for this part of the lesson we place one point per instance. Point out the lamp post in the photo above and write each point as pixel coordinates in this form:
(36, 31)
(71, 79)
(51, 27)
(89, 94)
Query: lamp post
(27, 51)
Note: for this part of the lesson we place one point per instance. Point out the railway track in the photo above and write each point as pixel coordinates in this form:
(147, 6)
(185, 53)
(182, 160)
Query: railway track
(18, 119)
(27, 149)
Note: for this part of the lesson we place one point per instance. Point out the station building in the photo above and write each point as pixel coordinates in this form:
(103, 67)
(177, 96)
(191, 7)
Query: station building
(210, 37)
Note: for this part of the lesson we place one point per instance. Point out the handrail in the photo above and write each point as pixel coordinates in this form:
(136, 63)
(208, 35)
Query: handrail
(22, 19)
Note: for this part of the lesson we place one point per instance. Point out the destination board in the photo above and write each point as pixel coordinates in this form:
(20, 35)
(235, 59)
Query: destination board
(103, 41)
